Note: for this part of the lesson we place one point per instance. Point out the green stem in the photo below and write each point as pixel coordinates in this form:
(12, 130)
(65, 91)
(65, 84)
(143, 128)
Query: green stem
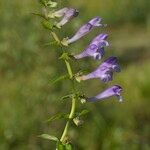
(73, 107)
(71, 115)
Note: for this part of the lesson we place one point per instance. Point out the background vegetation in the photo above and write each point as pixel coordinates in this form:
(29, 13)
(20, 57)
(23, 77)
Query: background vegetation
(27, 67)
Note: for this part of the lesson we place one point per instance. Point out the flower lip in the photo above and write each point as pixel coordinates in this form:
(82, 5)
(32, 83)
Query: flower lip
(95, 21)
(100, 37)
(117, 89)
(72, 12)
(95, 48)
(111, 60)
(103, 36)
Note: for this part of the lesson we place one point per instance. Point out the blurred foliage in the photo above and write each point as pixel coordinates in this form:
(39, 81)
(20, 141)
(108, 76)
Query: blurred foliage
(27, 68)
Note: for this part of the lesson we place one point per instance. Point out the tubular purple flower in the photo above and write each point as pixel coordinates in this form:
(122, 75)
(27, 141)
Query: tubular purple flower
(96, 47)
(85, 29)
(59, 13)
(66, 13)
(69, 14)
(104, 72)
(112, 91)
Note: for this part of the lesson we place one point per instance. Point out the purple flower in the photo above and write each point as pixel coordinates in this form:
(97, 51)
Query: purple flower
(85, 29)
(58, 14)
(96, 47)
(104, 72)
(69, 14)
(66, 13)
(112, 91)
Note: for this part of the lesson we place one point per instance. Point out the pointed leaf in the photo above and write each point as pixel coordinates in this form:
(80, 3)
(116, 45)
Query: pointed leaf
(49, 137)
(51, 43)
(83, 112)
(38, 14)
(59, 79)
(58, 116)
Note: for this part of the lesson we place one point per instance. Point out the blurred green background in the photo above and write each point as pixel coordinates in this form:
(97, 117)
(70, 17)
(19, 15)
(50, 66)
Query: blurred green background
(27, 66)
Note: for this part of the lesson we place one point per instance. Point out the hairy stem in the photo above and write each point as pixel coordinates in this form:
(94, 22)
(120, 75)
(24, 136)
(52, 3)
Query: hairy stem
(71, 115)
(73, 106)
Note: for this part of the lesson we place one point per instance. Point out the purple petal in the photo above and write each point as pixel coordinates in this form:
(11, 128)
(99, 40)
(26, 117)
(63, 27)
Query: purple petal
(111, 63)
(106, 77)
(69, 14)
(60, 12)
(96, 48)
(112, 91)
(105, 71)
(85, 29)
(99, 54)
(102, 36)
(111, 60)
(95, 21)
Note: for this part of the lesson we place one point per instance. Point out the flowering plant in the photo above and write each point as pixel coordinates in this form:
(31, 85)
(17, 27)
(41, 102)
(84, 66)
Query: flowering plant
(95, 50)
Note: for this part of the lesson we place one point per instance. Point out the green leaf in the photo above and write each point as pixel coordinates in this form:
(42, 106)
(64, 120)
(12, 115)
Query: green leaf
(83, 112)
(38, 14)
(51, 43)
(47, 25)
(59, 79)
(58, 116)
(48, 137)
